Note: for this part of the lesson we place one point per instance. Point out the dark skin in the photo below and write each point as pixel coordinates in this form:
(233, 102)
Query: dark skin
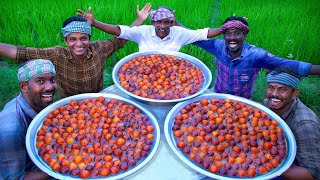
(234, 39)
(39, 91)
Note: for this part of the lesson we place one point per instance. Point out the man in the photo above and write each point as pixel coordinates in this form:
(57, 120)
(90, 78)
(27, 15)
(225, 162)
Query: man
(161, 35)
(37, 87)
(238, 63)
(80, 66)
(281, 97)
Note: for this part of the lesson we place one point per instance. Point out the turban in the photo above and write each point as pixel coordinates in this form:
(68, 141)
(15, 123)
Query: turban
(76, 26)
(235, 24)
(161, 13)
(35, 68)
(283, 78)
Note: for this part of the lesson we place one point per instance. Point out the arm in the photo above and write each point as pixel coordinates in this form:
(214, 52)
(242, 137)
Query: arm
(37, 174)
(211, 32)
(8, 50)
(297, 172)
(315, 70)
(114, 29)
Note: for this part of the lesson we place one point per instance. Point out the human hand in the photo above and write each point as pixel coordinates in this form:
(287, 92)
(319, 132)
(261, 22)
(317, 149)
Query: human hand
(144, 12)
(89, 17)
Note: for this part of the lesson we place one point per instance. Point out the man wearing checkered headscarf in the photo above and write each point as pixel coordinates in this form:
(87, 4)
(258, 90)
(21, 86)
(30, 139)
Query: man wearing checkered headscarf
(37, 87)
(239, 63)
(282, 98)
(162, 35)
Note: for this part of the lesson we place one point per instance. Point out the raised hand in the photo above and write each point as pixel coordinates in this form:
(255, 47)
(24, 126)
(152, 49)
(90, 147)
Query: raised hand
(144, 12)
(89, 16)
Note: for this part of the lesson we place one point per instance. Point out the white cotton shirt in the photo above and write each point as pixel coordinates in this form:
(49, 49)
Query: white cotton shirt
(146, 38)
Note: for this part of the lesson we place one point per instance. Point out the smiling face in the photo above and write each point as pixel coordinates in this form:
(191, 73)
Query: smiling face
(39, 91)
(280, 97)
(78, 43)
(234, 39)
(162, 27)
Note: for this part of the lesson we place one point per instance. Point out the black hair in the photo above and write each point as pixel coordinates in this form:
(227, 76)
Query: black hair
(238, 18)
(73, 18)
(287, 70)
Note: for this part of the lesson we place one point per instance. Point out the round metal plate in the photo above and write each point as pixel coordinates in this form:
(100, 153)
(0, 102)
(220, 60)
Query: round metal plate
(290, 140)
(37, 123)
(205, 70)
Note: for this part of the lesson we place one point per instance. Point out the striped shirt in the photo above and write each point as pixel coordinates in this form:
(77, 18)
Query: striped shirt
(75, 77)
(305, 126)
(15, 119)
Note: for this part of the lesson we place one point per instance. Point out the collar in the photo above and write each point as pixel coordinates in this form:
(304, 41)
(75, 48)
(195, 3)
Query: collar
(287, 112)
(25, 106)
(70, 56)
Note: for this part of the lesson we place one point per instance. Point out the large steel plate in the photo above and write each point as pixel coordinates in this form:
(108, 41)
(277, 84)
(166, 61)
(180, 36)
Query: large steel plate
(289, 137)
(37, 123)
(205, 70)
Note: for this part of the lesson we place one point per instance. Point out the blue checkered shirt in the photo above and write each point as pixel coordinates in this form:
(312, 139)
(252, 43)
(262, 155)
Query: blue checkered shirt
(15, 119)
(237, 76)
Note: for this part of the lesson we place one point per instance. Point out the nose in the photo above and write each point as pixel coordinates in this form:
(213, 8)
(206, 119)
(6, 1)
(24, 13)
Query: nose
(79, 43)
(50, 86)
(275, 93)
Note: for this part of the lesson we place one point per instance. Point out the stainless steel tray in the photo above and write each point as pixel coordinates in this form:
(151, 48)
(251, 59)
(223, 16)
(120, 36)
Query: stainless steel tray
(290, 140)
(37, 123)
(205, 70)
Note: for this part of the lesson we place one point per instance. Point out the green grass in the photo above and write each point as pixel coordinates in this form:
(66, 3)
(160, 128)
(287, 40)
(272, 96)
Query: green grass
(283, 28)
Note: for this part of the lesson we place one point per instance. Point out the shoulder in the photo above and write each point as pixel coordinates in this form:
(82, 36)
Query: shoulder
(304, 113)
(9, 117)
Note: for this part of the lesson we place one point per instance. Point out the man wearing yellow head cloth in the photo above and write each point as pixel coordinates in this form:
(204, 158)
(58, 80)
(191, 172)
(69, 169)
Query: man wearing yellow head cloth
(37, 87)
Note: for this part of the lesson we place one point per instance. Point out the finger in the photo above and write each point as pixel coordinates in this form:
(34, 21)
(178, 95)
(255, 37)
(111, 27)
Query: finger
(80, 11)
(90, 10)
(137, 9)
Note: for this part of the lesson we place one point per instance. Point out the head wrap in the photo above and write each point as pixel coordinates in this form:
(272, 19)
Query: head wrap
(283, 78)
(235, 24)
(35, 68)
(161, 13)
(76, 26)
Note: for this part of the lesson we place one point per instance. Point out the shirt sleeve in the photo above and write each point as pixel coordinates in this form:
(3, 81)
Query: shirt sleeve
(27, 53)
(131, 33)
(189, 36)
(12, 152)
(269, 61)
(308, 149)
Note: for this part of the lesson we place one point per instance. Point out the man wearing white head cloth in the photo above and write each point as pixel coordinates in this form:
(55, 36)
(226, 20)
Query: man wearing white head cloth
(37, 87)
(80, 66)
(161, 35)
(281, 97)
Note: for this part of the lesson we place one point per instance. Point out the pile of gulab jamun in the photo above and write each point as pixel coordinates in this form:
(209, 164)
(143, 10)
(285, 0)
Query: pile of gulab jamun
(229, 138)
(95, 137)
(161, 77)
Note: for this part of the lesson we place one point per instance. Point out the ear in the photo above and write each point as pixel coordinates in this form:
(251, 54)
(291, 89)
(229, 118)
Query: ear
(23, 87)
(65, 40)
(295, 93)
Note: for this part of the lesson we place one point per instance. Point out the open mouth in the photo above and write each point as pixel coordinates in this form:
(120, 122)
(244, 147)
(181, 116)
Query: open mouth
(233, 44)
(47, 96)
(275, 101)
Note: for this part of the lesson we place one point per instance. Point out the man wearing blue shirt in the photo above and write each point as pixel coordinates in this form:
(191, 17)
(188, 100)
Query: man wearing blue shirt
(238, 63)
(37, 87)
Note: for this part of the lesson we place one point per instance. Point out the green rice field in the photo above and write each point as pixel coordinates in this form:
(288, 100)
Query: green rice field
(287, 28)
